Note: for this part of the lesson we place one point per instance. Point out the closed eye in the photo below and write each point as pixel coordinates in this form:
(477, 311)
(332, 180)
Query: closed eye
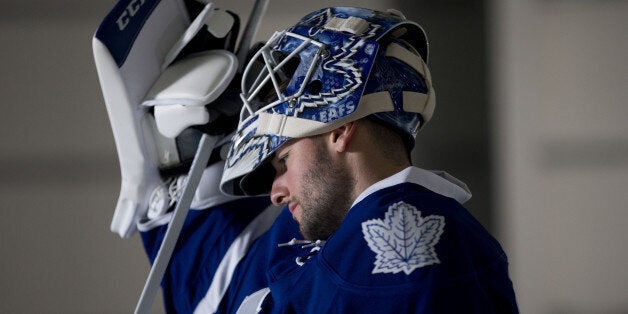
(279, 163)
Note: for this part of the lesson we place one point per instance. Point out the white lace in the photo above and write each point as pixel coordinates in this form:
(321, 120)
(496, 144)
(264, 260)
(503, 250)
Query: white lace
(165, 195)
(316, 246)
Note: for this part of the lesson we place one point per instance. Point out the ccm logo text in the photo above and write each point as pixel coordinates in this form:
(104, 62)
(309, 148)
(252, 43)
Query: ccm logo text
(128, 13)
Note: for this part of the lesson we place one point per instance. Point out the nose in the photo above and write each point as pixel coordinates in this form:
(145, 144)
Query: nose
(279, 193)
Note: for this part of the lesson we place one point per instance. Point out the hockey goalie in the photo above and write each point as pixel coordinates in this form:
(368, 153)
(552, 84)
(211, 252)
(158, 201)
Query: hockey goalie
(276, 178)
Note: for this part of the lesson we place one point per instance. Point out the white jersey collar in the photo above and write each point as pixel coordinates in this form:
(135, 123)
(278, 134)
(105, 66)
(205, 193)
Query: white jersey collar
(436, 181)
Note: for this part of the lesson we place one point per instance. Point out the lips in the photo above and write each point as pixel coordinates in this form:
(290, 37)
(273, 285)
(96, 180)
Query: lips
(292, 207)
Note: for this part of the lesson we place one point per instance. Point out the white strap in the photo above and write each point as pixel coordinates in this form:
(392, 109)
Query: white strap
(399, 52)
(286, 125)
(296, 127)
(381, 102)
(352, 24)
(395, 50)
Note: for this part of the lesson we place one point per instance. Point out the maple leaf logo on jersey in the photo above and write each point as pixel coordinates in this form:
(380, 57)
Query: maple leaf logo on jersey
(403, 240)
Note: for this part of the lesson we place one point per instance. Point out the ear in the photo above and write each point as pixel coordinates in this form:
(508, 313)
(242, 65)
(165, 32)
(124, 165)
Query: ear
(341, 137)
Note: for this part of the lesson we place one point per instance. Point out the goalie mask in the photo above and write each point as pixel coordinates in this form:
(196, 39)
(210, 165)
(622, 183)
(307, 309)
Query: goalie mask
(335, 66)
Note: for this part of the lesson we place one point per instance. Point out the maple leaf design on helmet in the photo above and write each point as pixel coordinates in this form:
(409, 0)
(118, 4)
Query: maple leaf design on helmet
(403, 240)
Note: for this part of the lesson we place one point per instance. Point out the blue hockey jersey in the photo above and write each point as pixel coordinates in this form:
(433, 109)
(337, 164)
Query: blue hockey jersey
(401, 249)
(406, 246)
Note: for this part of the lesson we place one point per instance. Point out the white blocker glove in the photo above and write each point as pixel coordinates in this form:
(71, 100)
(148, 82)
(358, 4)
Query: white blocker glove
(161, 74)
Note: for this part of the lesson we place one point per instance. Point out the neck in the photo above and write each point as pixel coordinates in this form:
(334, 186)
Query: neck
(369, 151)
(367, 171)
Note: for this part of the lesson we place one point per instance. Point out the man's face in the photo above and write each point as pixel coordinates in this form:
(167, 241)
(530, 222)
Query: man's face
(314, 185)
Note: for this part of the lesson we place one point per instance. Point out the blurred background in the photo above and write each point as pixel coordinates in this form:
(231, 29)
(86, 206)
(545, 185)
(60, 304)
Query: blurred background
(531, 114)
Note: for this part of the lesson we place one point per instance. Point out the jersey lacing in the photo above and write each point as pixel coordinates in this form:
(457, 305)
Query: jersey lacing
(315, 245)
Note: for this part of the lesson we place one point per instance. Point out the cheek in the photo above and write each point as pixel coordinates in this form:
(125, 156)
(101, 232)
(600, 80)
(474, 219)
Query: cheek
(301, 164)
(294, 179)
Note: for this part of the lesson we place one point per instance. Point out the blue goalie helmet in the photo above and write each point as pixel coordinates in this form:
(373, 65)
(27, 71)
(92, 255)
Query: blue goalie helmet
(336, 65)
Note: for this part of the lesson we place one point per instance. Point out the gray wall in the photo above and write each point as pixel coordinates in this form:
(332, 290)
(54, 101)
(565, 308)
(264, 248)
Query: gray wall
(561, 150)
(59, 175)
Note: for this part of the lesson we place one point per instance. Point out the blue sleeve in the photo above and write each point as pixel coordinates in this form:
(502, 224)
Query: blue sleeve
(206, 236)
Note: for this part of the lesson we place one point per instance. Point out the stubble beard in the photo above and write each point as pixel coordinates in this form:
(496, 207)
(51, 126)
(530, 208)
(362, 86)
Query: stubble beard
(325, 198)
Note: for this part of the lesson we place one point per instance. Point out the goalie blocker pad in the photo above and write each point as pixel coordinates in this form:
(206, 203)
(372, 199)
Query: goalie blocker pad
(152, 47)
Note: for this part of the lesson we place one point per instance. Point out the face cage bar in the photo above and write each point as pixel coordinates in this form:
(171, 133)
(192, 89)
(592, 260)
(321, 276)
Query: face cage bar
(248, 95)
